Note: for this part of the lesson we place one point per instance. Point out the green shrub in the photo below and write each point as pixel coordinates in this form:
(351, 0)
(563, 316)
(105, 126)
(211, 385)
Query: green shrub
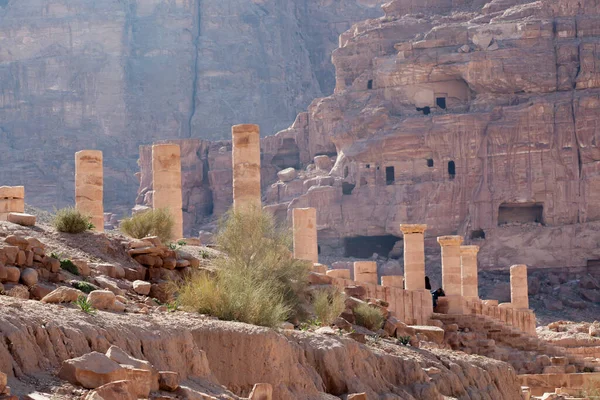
(256, 280)
(68, 265)
(368, 316)
(328, 305)
(404, 340)
(71, 220)
(84, 305)
(157, 222)
(85, 287)
(204, 254)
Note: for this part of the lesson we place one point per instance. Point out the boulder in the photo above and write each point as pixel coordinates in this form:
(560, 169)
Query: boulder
(3, 381)
(16, 291)
(109, 284)
(62, 294)
(287, 175)
(82, 267)
(21, 219)
(15, 240)
(323, 162)
(40, 290)
(122, 390)
(29, 277)
(357, 396)
(433, 333)
(591, 295)
(102, 299)
(13, 274)
(91, 370)
(168, 381)
(52, 264)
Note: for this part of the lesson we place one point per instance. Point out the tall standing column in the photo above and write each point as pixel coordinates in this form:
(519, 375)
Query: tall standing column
(451, 272)
(166, 182)
(414, 256)
(469, 280)
(246, 166)
(519, 296)
(89, 186)
(365, 271)
(305, 234)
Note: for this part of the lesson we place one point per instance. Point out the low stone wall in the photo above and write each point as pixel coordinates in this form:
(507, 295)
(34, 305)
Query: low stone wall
(413, 307)
(548, 383)
(521, 319)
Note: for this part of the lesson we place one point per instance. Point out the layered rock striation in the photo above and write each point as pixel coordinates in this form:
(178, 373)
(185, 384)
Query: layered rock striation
(111, 76)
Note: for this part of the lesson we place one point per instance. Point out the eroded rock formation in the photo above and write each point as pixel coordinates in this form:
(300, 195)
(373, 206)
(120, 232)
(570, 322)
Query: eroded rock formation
(478, 120)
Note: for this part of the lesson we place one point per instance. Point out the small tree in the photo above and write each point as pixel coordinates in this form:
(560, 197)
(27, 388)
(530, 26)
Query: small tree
(157, 222)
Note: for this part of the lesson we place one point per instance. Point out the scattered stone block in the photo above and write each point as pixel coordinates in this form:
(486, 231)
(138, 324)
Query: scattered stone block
(40, 290)
(287, 175)
(29, 276)
(13, 274)
(21, 219)
(91, 370)
(62, 294)
(357, 396)
(122, 390)
(102, 299)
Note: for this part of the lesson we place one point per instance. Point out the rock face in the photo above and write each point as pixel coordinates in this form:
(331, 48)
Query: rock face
(88, 75)
(303, 365)
(453, 119)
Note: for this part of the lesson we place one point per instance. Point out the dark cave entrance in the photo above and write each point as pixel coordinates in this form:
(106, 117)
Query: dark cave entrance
(451, 169)
(389, 176)
(426, 110)
(370, 84)
(520, 213)
(365, 246)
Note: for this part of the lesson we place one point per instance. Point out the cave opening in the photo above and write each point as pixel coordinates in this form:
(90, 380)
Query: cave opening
(478, 234)
(426, 110)
(430, 163)
(288, 155)
(441, 102)
(370, 84)
(520, 213)
(347, 188)
(366, 246)
(451, 169)
(389, 176)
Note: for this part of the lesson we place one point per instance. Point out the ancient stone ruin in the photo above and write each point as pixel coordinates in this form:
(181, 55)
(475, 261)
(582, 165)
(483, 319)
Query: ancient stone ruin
(166, 181)
(89, 186)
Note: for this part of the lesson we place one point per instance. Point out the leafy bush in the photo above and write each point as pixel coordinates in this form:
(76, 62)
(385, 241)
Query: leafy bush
(84, 305)
(328, 305)
(204, 254)
(368, 316)
(85, 287)
(71, 220)
(257, 280)
(157, 222)
(68, 265)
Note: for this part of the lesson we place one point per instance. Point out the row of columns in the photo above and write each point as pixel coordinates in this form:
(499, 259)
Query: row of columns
(166, 178)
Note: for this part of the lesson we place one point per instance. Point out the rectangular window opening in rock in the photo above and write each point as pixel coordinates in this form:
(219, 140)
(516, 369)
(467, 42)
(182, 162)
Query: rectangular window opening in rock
(370, 84)
(521, 213)
(451, 169)
(430, 163)
(389, 176)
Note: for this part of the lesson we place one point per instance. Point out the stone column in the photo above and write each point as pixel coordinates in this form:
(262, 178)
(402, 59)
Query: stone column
(414, 256)
(451, 272)
(365, 271)
(12, 200)
(469, 280)
(89, 186)
(166, 183)
(305, 234)
(519, 296)
(246, 166)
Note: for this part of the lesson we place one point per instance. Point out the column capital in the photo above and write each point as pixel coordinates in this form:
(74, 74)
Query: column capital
(412, 228)
(453, 240)
(469, 250)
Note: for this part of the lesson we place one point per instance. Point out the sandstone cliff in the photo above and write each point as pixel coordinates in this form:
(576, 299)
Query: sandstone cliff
(112, 75)
(477, 118)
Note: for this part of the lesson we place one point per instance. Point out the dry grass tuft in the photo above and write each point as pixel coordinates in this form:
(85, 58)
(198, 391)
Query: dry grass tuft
(157, 222)
(71, 220)
(328, 305)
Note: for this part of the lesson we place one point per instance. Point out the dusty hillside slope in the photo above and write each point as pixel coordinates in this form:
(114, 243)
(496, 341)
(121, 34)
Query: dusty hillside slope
(35, 338)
